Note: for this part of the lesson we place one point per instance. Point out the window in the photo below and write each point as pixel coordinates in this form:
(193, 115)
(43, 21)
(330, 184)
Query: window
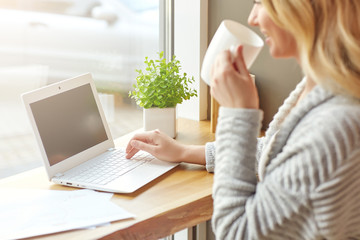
(44, 41)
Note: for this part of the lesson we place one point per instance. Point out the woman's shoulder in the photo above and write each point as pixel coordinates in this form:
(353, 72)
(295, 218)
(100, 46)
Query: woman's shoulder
(334, 110)
(344, 101)
(324, 141)
(331, 130)
(338, 112)
(332, 125)
(325, 117)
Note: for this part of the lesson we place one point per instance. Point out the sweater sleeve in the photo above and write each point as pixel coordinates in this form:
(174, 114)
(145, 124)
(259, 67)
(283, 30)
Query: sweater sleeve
(210, 154)
(235, 179)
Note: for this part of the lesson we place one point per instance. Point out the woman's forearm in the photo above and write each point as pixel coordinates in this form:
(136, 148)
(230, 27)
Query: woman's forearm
(193, 154)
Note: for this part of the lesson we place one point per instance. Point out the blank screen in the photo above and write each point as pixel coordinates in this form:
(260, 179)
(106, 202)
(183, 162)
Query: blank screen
(68, 123)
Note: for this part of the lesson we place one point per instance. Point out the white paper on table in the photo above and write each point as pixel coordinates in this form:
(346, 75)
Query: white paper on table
(33, 212)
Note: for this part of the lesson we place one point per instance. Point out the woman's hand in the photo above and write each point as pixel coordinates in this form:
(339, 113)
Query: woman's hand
(157, 144)
(165, 148)
(231, 84)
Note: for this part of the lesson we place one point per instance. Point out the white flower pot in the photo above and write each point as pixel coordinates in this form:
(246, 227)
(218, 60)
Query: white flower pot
(163, 119)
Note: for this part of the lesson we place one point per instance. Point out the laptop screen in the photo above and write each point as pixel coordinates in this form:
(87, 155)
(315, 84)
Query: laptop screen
(68, 123)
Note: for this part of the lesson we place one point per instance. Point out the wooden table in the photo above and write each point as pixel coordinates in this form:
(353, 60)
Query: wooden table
(177, 200)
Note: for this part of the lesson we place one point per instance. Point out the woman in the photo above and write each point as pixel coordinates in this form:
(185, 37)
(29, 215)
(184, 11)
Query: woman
(309, 160)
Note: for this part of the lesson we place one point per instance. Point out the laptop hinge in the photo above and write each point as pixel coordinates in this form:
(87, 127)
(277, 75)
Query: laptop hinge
(59, 175)
(111, 149)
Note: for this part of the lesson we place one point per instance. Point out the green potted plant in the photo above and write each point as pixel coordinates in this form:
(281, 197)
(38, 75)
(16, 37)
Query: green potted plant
(158, 89)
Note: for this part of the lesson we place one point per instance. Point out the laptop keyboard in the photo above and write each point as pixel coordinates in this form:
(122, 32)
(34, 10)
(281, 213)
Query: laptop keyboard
(108, 169)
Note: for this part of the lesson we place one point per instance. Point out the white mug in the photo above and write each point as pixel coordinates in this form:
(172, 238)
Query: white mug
(228, 36)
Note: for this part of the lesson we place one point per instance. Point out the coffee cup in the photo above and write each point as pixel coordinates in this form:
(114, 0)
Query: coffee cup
(229, 35)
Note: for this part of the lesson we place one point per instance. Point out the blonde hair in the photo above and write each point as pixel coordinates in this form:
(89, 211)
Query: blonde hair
(328, 39)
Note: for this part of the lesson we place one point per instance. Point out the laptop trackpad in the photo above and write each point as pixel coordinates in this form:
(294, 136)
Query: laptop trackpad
(141, 175)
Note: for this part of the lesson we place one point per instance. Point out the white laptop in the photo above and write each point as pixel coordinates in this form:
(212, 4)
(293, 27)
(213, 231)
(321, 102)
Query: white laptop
(75, 141)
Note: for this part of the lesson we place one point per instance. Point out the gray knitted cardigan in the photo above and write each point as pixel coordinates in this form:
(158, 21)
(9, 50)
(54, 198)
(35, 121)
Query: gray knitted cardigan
(308, 166)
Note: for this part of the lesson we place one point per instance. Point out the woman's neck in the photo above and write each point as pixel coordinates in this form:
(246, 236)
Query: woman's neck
(309, 85)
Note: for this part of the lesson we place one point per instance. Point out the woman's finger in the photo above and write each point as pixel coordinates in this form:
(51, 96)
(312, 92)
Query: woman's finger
(131, 152)
(239, 60)
(143, 146)
(144, 137)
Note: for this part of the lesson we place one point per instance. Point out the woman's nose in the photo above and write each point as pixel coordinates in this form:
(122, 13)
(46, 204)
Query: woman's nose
(252, 19)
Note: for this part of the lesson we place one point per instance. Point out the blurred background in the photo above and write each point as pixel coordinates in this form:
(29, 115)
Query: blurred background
(45, 41)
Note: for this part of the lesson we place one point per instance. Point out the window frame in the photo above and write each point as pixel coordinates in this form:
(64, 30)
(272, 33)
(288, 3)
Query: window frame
(181, 27)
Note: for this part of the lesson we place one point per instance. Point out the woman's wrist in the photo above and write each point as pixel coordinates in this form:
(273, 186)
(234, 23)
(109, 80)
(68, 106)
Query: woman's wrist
(193, 154)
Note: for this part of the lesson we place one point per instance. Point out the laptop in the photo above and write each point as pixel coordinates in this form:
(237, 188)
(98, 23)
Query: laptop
(76, 144)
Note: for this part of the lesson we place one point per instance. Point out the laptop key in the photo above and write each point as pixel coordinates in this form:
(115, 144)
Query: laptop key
(109, 169)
